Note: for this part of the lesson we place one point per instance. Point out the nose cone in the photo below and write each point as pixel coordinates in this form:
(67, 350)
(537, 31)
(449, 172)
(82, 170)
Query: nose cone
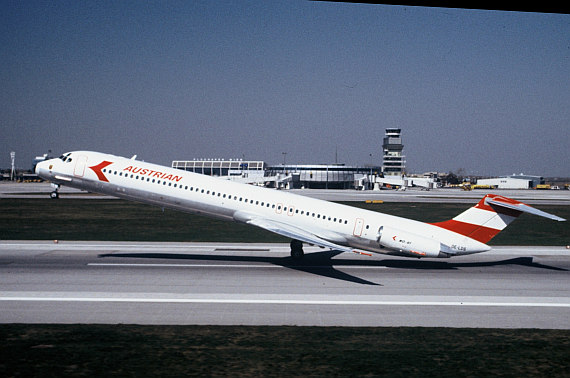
(42, 168)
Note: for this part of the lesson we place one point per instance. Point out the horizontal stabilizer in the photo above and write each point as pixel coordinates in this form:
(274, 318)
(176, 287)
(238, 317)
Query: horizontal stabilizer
(519, 206)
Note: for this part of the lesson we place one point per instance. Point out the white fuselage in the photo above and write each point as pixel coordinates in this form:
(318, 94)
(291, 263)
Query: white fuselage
(190, 192)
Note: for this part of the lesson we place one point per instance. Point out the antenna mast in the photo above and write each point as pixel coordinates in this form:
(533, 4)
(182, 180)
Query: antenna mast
(13, 158)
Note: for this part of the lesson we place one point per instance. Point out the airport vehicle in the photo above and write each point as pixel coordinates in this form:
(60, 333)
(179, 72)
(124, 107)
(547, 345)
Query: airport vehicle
(302, 219)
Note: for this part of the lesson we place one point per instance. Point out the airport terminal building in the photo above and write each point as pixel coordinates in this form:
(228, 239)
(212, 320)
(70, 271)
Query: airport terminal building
(219, 167)
(322, 176)
(314, 176)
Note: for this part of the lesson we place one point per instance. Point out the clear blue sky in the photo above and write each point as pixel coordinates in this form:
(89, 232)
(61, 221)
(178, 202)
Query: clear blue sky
(487, 91)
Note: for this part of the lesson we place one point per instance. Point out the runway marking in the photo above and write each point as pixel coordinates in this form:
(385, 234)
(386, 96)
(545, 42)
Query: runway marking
(242, 250)
(131, 265)
(242, 266)
(269, 301)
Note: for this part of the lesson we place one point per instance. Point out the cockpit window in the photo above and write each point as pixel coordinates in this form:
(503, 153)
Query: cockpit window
(65, 158)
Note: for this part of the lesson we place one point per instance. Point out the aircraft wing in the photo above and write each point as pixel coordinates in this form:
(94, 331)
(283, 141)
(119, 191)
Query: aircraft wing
(289, 231)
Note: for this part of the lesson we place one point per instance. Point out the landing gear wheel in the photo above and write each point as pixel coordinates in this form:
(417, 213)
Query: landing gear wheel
(55, 193)
(297, 249)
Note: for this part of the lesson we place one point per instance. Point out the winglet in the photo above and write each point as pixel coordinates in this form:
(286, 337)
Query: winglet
(519, 206)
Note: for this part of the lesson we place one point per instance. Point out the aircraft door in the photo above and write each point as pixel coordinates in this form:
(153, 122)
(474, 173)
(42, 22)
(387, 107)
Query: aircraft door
(358, 225)
(80, 163)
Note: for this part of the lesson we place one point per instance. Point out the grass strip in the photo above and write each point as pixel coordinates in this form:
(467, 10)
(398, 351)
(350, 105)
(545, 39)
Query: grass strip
(132, 350)
(119, 220)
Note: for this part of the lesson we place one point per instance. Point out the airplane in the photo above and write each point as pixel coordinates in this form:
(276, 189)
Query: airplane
(302, 219)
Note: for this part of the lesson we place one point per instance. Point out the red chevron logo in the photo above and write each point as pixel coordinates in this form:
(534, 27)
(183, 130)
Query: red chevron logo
(98, 170)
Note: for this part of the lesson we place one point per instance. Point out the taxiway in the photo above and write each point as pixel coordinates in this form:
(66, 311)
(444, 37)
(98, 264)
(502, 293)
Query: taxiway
(441, 195)
(259, 284)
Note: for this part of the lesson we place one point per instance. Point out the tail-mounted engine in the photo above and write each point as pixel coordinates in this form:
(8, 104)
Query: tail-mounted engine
(411, 244)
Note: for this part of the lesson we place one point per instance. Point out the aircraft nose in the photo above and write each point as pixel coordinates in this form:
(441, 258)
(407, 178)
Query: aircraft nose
(42, 168)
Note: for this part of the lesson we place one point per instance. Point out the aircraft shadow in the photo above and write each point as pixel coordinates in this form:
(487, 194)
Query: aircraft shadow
(318, 263)
(321, 263)
(444, 265)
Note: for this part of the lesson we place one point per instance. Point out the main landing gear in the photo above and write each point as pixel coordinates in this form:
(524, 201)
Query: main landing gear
(55, 193)
(297, 249)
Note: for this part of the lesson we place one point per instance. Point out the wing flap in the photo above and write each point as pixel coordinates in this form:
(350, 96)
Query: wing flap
(289, 231)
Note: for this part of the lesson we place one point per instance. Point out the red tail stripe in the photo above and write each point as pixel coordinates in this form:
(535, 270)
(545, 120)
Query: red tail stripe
(479, 233)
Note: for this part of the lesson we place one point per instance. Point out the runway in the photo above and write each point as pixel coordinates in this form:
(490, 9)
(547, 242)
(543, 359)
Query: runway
(259, 284)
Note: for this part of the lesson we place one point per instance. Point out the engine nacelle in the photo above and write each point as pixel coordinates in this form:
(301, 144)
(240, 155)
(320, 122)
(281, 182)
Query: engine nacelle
(411, 244)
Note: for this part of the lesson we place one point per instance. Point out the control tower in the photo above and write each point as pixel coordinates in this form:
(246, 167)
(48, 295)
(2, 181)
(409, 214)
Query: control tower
(393, 163)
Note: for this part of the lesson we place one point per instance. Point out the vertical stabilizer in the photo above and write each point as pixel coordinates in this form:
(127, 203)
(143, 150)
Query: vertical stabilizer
(489, 217)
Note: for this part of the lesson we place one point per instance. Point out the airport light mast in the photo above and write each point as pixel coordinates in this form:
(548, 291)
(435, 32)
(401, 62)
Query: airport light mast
(13, 170)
